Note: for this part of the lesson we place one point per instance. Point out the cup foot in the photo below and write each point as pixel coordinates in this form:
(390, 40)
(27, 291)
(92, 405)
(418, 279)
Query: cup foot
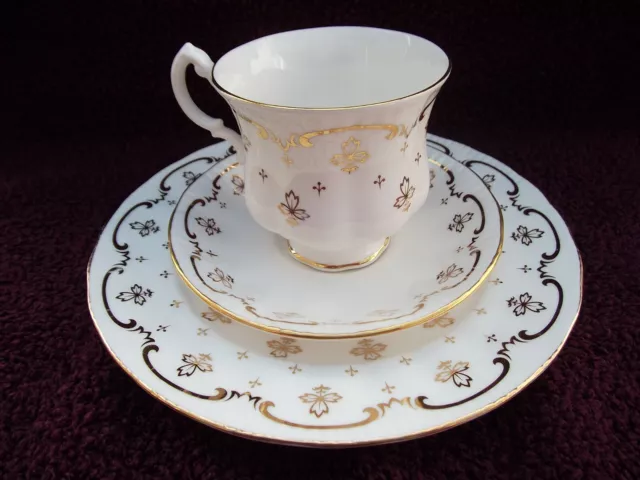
(338, 261)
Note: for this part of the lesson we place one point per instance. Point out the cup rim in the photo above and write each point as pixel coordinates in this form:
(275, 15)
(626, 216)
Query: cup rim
(226, 92)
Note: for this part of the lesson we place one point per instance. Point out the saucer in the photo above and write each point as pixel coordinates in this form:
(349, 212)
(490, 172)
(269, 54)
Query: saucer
(331, 393)
(242, 271)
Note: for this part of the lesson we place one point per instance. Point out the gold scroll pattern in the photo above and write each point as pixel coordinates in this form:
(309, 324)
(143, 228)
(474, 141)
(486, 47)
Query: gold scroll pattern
(372, 413)
(347, 160)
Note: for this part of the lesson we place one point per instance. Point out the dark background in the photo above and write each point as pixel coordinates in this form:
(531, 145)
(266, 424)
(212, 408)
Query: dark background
(546, 88)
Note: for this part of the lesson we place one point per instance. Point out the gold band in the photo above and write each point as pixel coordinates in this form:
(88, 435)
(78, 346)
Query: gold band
(337, 268)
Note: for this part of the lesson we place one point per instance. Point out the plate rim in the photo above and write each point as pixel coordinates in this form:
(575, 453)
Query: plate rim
(337, 444)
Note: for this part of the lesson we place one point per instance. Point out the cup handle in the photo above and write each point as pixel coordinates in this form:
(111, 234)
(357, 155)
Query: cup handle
(203, 65)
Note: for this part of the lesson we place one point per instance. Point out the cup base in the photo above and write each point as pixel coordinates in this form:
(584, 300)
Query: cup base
(338, 261)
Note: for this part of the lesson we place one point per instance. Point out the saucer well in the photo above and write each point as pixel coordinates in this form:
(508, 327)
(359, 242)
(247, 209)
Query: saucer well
(334, 393)
(246, 273)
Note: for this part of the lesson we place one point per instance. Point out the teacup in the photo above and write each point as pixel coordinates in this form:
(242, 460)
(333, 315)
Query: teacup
(332, 143)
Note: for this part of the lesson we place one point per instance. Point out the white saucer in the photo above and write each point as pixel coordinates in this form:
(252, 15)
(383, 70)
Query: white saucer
(245, 272)
(335, 393)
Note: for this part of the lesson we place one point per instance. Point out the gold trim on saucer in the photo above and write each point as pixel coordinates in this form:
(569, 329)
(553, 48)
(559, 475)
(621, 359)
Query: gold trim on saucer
(326, 336)
(339, 268)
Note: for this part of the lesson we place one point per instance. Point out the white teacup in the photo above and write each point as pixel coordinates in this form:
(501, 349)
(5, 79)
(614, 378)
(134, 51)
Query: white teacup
(333, 133)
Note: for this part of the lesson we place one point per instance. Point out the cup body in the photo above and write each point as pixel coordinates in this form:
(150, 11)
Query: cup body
(336, 184)
(334, 124)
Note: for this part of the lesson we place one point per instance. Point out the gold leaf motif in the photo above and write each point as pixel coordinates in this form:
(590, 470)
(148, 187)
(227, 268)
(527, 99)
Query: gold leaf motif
(459, 220)
(404, 200)
(238, 184)
(283, 347)
(451, 272)
(214, 316)
(351, 155)
(441, 322)
(219, 276)
(525, 303)
(455, 373)
(194, 363)
(320, 400)
(291, 210)
(368, 349)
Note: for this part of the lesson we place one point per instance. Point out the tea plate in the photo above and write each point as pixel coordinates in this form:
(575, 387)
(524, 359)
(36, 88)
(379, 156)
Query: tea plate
(439, 258)
(331, 393)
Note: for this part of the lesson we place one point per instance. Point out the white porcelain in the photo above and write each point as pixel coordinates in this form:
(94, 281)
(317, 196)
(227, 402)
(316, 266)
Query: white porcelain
(242, 271)
(334, 107)
(335, 393)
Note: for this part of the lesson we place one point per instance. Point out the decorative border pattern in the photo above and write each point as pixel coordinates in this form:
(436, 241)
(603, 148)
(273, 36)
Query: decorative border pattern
(373, 412)
(304, 140)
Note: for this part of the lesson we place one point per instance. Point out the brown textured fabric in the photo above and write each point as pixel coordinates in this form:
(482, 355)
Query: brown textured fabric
(544, 89)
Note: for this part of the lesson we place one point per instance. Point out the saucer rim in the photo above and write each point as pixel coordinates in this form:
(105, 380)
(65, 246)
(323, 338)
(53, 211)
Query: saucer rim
(225, 168)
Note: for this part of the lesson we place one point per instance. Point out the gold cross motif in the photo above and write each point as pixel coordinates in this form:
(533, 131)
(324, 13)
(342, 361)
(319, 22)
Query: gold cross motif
(450, 340)
(406, 361)
(295, 369)
(242, 355)
(176, 303)
(387, 388)
(351, 371)
(255, 383)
